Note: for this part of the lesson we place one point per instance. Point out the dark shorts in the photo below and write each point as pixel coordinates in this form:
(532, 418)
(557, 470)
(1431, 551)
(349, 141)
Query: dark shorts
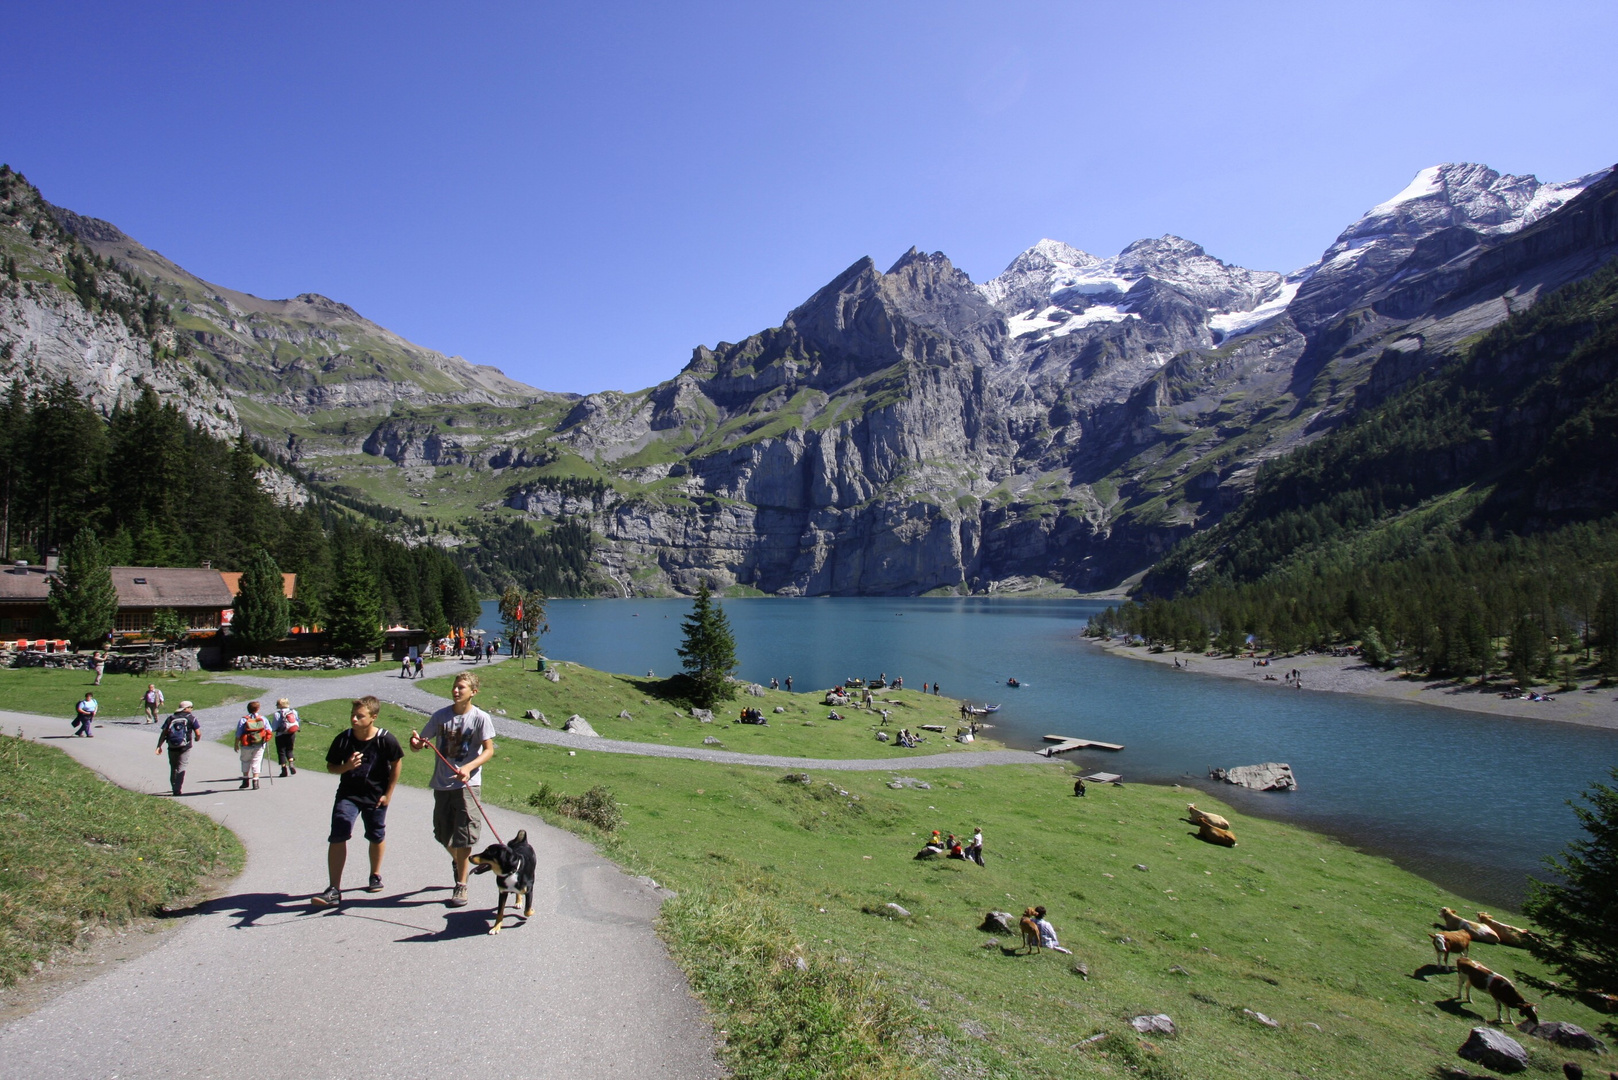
(455, 818)
(343, 813)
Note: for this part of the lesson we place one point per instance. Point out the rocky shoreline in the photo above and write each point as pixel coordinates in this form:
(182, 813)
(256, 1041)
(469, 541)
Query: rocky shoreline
(1592, 707)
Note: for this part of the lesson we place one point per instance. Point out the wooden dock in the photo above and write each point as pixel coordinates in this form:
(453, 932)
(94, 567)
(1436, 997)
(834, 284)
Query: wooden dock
(1065, 743)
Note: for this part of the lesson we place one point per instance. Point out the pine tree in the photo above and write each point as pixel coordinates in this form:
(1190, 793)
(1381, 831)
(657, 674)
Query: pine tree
(83, 602)
(1576, 913)
(709, 651)
(1606, 626)
(262, 613)
(354, 612)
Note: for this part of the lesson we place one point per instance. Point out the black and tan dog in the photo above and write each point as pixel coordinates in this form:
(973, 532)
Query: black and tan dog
(513, 866)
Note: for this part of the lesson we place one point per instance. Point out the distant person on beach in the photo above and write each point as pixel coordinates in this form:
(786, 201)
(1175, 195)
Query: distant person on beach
(153, 701)
(368, 759)
(178, 735)
(284, 723)
(84, 714)
(935, 689)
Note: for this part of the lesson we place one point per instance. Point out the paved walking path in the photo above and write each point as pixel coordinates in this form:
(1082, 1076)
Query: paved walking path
(387, 686)
(256, 983)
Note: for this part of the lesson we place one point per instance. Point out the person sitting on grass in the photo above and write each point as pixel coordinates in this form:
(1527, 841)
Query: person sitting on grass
(368, 759)
(1047, 932)
(953, 846)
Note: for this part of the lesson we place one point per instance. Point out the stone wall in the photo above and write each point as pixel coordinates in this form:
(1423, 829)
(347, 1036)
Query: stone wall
(297, 663)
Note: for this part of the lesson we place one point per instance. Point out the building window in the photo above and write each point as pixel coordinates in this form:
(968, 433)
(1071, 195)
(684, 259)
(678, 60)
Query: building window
(133, 622)
(20, 625)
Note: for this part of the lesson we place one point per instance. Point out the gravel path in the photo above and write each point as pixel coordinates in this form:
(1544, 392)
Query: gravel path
(393, 986)
(407, 694)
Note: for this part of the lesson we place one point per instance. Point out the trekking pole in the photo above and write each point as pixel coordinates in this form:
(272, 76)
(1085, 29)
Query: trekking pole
(470, 788)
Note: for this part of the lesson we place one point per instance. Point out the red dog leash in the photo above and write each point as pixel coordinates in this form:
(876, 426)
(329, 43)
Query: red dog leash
(469, 787)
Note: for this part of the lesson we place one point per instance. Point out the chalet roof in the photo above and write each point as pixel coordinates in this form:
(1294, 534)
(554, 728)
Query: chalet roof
(233, 582)
(24, 583)
(150, 587)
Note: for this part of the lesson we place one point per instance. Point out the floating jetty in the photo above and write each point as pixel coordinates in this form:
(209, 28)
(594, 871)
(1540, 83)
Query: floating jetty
(1064, 743)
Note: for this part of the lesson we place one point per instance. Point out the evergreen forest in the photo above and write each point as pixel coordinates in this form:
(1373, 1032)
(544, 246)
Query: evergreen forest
(159, 491)
(1463, 527)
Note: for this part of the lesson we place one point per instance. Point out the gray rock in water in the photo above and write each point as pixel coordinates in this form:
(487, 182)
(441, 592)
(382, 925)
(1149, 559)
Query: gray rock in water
(999, 922)
(1561, 1033)
(709, 740)
(1270, 776)
(895, 910)
(1260, 1017)
(705, 715)
(578, 725)
(624, 715)
(1157, 1023)
(1494, 1050)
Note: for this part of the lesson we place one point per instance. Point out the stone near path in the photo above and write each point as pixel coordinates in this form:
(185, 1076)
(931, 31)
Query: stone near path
(704, 715)
(578, 725)
(1270, 776)
(1494, 1050)
(1156, 1023)
(586, 990)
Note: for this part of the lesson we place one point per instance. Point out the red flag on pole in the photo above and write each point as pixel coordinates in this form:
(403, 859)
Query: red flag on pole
(519, 611)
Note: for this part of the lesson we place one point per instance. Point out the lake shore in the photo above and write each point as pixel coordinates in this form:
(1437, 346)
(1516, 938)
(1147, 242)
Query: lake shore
(1350, 675)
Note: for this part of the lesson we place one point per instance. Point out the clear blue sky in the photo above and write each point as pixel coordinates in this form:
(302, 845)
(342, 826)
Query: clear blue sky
(580, 193)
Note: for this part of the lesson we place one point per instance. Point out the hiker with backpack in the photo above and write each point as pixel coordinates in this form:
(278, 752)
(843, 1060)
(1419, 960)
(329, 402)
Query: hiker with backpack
(284, 722)
(179, 734)
(252, 732)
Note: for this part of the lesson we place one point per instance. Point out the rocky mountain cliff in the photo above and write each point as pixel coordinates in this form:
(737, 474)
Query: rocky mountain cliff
(1061, 425)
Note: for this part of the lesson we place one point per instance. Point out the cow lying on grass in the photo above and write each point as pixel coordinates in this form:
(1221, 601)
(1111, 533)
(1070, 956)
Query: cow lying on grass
(1478, 931)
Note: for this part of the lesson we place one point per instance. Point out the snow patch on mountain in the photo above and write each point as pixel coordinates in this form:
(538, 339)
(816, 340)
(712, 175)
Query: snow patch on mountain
(1229, 324)
(1054, 322)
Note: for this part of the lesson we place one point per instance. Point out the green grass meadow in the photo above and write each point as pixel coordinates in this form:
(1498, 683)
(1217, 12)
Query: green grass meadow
(53, 691)
(1329, 942)
(802, 731)
(77, 851)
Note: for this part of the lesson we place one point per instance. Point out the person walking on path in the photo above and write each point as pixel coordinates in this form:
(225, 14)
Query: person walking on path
(153, 700)
(368, 759)
(465, 739)
(419, 665)
(252, 732)
(101, 666)
(284, 723)
(404, 668)
(179, 733)
(84, 714)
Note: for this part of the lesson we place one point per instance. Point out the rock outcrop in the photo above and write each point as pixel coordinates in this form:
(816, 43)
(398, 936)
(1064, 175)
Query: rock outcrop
(1270, 776)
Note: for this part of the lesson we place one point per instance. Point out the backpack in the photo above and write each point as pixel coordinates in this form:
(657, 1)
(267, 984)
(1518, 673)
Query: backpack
(289, 720)
(177, 730)
(255, 732)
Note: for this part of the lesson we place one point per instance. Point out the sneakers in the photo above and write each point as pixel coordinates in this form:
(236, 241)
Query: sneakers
(330, 898)
(283, 770)
(255, 783)
(375, 883)
(457, 898)
(244, 784)
(291, 768)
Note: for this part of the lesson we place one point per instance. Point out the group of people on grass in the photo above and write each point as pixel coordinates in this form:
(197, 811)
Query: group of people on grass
(952, 848)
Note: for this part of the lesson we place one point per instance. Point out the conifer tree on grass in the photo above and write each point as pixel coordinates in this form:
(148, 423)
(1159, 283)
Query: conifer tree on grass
(709, 651)
(83, 602)
(262, 611)
(1576, 914)
(355, 610)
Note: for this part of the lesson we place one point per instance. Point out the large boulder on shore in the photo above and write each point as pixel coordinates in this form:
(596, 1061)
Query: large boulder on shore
(1270, 776)
(1562, 1033)
(1494, 1050)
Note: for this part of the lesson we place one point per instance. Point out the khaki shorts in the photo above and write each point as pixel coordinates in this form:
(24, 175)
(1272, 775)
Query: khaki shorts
(456, 822)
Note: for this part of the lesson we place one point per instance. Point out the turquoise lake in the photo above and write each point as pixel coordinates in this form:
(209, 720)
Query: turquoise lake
(1466, 799)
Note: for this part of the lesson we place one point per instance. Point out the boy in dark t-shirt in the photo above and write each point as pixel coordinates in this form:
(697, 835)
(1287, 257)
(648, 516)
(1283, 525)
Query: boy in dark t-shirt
(368, 759)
